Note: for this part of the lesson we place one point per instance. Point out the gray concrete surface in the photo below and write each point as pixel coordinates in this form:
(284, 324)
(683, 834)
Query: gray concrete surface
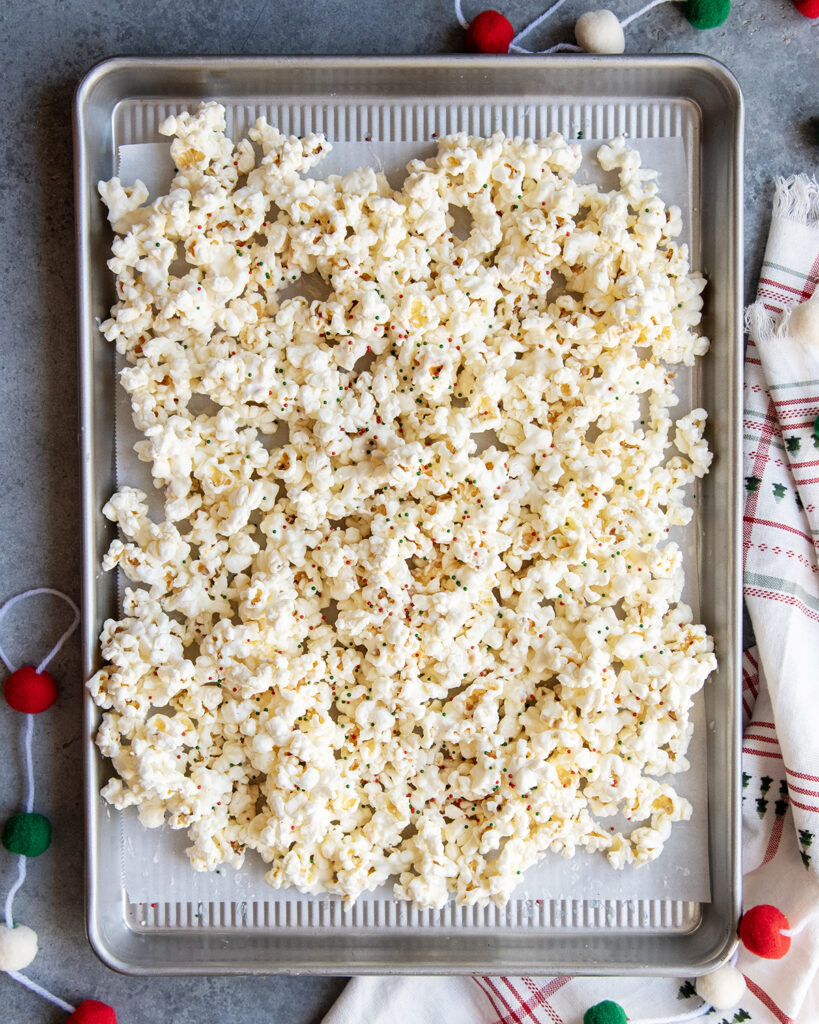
(46, 47)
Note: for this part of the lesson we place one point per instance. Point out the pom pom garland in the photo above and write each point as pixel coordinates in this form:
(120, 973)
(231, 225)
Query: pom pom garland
(27, 833)
(18, 947)
(490, 32)
(722, 988)
(607, 1012)
(92, 1012)
(762, 931)
(595, 31)
(29, 691)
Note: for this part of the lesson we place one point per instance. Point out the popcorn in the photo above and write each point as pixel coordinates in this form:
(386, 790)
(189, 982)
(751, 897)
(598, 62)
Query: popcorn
(412, 611)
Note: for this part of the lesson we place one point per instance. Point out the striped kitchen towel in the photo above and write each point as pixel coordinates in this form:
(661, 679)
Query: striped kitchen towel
(781, 521)
(780, 782)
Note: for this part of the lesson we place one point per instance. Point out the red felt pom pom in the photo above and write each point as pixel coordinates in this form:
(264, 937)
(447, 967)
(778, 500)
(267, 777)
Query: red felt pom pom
(761, 930)
(810, 8)
(92, 1012)
(489, 32)
(30, 691)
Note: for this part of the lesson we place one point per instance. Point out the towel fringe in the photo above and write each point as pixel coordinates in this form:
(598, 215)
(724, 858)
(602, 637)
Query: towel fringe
(761, 324)
(797, 199)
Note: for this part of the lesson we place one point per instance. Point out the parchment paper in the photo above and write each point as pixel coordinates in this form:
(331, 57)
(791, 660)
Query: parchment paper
(154, 866)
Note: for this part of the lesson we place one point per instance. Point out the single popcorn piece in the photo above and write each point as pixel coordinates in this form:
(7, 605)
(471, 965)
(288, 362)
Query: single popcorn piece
(412, 611)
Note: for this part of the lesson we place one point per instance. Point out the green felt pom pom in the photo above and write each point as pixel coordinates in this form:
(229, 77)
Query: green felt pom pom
(606, 1012)
(29, 834)
(707, 13)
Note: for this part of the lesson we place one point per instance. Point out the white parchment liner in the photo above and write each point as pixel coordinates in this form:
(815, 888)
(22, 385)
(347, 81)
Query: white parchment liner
(155, 868)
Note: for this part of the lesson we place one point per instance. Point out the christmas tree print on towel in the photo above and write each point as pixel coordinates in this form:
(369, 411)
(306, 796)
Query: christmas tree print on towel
(761, 801)
(781, 804)
(805, 841)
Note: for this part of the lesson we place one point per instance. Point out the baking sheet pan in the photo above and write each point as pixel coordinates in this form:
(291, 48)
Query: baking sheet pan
(412, 99)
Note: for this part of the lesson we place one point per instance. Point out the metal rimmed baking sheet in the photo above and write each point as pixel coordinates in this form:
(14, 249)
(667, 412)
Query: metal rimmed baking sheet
(413, 98)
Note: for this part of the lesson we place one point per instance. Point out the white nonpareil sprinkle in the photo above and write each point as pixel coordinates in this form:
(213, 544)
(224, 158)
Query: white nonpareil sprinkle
(412, 610)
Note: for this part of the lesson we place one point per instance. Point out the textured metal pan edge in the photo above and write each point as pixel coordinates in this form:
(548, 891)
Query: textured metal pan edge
(218, 952)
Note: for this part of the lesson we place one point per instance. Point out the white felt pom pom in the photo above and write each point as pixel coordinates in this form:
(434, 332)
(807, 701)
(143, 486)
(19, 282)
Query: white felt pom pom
(599, 32)
(723, 988)
(18, 947)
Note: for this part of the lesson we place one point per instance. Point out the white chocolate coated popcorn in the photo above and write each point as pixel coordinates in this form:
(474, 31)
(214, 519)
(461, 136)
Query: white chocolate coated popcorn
(412, 611)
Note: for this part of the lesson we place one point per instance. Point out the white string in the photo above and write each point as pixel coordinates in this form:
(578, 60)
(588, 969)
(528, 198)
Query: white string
(34, 987)
(12, 601)
(557, 48)
(534, 24)
(806, 920)
(641, 12)
(677, 1019)
(21, 861)
(459, 14)
(21, 877)
(27, 738)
